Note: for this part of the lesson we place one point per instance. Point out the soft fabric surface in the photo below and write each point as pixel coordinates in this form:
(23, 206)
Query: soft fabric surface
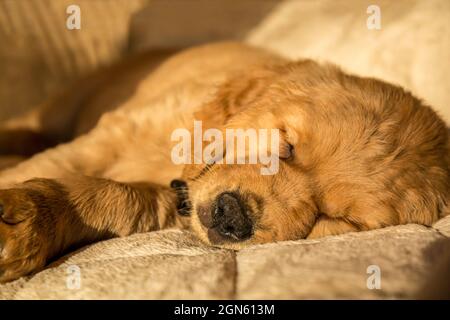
(39, 55)
(172, 264)
(411, 49)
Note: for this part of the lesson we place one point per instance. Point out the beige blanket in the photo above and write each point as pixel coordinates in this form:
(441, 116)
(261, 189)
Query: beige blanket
(411, 49)
(174, 265)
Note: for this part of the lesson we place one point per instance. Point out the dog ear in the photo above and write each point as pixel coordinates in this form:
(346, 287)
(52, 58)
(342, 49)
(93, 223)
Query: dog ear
(231, 97)
(243, 88)
(240, 92)
(235, 94)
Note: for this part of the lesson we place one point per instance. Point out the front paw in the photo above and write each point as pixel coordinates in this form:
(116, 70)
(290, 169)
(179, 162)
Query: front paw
(26, 233)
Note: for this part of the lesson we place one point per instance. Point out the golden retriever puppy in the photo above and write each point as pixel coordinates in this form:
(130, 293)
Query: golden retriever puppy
(353, 154)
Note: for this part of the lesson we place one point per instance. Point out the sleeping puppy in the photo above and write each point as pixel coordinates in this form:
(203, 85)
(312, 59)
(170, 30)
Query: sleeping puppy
(354, 154)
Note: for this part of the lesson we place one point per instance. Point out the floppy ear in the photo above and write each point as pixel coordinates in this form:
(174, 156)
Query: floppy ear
(240, 90)
(235, 95)
(231, 97)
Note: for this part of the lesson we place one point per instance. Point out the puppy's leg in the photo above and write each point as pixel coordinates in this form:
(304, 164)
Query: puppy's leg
(358, 218)
(42, 218)
(88, 155)
(326, 226)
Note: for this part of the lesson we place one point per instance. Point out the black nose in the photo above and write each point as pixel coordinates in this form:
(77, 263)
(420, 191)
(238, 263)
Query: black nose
(230, 217)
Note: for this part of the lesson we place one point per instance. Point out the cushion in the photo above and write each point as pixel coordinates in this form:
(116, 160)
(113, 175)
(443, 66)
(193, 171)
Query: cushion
(39, 55)
(172, 264)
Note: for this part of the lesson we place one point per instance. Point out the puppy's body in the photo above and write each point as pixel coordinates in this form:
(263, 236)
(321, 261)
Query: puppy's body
(163, 100)
(362, 154)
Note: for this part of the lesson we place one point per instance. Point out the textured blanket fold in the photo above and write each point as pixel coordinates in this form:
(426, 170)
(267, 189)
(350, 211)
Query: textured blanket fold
(173, 264)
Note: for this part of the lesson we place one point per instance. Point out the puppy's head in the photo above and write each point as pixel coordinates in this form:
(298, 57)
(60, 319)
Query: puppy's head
(336, 155)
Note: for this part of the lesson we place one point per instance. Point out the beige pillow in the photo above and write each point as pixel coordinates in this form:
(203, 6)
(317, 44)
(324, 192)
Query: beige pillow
(39, 55)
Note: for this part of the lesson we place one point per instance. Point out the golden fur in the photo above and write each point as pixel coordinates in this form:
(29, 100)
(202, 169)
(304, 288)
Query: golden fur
(358, 154)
